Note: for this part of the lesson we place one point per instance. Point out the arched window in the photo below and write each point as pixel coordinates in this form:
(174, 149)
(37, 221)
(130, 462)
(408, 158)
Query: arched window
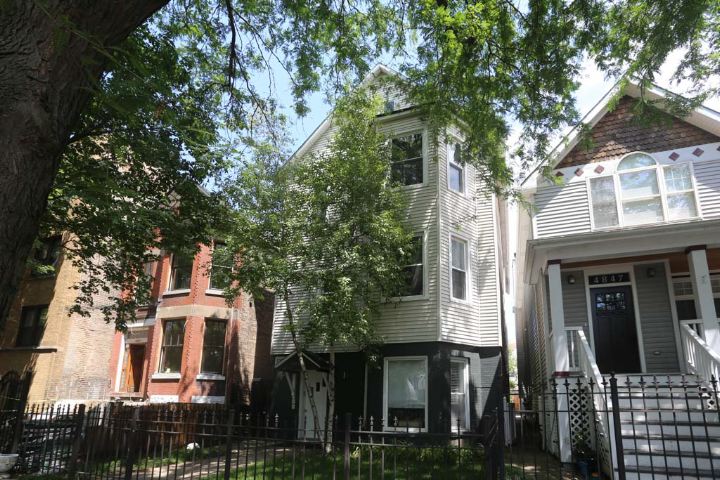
(640, 190)
(643, 191)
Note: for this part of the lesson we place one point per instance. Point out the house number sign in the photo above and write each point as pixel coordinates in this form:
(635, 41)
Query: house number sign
(608, 278)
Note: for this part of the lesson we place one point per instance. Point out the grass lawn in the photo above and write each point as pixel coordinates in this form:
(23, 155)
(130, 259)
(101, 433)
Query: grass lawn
(388, 462)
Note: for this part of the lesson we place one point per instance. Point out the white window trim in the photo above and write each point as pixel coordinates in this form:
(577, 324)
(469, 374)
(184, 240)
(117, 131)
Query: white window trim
(423, 135)
(662, 194)
(210, 290)
(468, 268)
(682, 276)
(424, 295)
(388, 421)
(213, 375)
(466, 379)
(169, 375)
(450, 154)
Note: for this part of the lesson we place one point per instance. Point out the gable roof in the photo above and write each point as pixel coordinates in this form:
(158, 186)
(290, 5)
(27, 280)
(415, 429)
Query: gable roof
(702, 117)
(378, 71)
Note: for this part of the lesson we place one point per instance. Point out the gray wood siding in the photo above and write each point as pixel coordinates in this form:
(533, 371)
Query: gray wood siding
(658, 329)
(575, 301)
(472, 217)
(562, 210)
(707, 181)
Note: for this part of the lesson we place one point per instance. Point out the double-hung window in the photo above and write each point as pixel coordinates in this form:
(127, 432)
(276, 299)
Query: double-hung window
(46, 256)
(641, 192)
(213, 352)
(459, 268)
(32, 326)
(172, 346)
(407, 159)
(685, 298)
(456, 169)
(222, 263)
(413, 274)
(406, 392)
(181, 271)
(459, 394)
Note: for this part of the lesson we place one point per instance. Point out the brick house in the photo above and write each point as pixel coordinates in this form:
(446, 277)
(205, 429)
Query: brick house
(189, 344)
(65, 354)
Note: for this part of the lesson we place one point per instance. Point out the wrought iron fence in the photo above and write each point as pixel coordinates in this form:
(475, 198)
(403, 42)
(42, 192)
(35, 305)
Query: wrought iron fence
(646, 427)
(209, 442)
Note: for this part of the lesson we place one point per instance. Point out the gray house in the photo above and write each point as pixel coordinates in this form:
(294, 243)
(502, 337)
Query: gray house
(442, 353)
(620, 274)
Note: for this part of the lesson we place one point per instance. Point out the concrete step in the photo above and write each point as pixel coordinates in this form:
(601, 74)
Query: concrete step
(647, 473)
(660, 402)
(673, 416)
(671, 459)
(669, 428)
(648, 443)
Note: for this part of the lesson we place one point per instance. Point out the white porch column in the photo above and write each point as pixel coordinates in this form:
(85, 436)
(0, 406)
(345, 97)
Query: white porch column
(560, 357)
(557, 314)
(704, 302)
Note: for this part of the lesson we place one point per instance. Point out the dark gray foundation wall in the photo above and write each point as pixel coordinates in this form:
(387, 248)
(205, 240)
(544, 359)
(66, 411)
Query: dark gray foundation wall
(359, 390)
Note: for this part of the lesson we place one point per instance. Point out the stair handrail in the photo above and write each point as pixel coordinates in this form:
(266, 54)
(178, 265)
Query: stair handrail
(700, 358)
(591, 371)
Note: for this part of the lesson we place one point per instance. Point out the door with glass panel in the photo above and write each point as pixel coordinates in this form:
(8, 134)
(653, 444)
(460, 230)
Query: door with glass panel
(614, 330)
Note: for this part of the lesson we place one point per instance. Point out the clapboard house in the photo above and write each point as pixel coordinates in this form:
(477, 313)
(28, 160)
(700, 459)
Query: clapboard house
(441, 357)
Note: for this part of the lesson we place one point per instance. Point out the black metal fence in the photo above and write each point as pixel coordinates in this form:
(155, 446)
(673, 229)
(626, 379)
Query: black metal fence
(210, 442)
(627, 427)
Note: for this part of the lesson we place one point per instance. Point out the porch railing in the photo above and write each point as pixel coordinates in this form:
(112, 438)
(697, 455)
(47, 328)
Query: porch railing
(588, 366)
(700, 359)
(694, 325)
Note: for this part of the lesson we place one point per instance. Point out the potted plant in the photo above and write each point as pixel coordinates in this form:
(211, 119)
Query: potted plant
(584, 459)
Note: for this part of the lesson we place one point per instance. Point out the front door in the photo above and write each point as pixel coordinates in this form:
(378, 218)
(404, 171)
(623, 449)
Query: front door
(614, 330)
(317, 382)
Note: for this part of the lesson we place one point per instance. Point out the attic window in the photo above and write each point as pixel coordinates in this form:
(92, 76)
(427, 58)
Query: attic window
(642, 192)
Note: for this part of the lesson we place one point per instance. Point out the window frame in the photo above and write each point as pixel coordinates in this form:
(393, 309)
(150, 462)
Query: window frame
(423, 150)
(424, 295)
(685, 277)
(203, 372)
(171, 281)
(663, 194)
(162, 357)
(37, 330)
(210, 288)
(388, 423)
(465, 426)
(468, 269)
(452, 163)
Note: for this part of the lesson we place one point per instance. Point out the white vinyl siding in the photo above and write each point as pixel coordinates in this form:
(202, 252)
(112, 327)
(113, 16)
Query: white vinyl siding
(475, 321)
(707, 181)
(404, 320)
(562, 210)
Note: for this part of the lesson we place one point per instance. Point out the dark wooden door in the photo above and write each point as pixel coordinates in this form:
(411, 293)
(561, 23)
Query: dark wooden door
(614, 330)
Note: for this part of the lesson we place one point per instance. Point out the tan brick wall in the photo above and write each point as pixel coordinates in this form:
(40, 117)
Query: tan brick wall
(618, 133)
(76, 369)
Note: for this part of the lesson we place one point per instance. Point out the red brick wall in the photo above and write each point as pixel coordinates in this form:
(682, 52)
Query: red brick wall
(242, 343)
(618, 133)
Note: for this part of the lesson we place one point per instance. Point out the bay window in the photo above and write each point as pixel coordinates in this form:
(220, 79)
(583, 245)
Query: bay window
(172, 346)
(406, 392)
(458, 268)
(413, 274)
(456, 170)
(407, 159)
(32, 326)
(181, 272)
(641, 192)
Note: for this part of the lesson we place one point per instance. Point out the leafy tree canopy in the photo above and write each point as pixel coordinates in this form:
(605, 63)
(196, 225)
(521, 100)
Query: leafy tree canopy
(172, 104)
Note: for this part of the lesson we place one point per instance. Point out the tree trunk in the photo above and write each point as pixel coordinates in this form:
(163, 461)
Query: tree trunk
(303, 368)
(51, 56)
(331, 403)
